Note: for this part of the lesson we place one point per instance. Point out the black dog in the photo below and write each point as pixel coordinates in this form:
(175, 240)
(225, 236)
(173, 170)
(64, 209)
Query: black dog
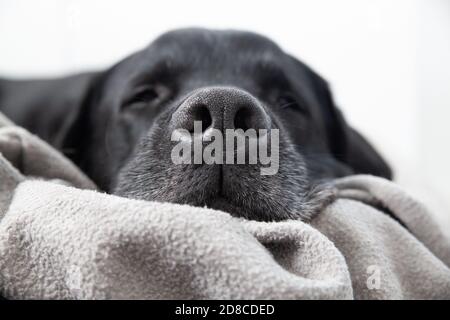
(116, 124)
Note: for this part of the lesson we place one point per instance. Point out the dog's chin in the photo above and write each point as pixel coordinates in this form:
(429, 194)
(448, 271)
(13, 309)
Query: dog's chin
(241, 210)
(262, 207)
(221, 203)
(240, 190)
(256, 205)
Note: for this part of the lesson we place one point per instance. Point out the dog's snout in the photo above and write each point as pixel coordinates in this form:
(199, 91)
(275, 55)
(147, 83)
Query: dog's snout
(221, 108)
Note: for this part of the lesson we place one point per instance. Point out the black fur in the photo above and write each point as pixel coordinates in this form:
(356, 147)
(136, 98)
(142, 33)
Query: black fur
(114, 124)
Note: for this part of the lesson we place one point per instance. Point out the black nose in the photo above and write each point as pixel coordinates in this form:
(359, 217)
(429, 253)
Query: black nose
(221, 108)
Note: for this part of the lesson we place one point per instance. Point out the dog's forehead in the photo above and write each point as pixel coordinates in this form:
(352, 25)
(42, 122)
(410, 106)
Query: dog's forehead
(194, 37)
(197, 44)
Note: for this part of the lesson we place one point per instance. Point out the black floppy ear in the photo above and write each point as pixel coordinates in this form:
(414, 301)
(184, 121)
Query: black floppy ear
(49, 108)
(353, 149)
(346, 144)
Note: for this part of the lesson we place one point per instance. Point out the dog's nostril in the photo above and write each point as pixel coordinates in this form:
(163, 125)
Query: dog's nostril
(222, 108)
(242, 119)
(201, 113)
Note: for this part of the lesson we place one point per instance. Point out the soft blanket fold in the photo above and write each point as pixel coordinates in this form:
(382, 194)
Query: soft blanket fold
(60, 241)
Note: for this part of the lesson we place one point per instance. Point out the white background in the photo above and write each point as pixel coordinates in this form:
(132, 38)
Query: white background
(388, 61)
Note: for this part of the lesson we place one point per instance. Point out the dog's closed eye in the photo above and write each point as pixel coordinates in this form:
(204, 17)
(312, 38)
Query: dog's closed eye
(288, 101)
(145, 97)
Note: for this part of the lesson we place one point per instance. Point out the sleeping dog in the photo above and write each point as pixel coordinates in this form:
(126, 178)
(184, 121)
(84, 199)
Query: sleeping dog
(117, 124)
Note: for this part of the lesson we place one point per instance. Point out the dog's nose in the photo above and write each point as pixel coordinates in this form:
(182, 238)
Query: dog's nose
(221, 108)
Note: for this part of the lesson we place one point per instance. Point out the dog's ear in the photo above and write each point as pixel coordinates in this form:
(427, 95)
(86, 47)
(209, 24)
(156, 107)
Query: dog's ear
(345, 143)
(49, 108)
(351, 148)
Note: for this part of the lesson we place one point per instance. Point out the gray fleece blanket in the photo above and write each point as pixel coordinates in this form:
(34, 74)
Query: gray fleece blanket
(61, 239)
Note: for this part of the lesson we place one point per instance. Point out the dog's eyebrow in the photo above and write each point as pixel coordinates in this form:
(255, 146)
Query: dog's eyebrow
(159, 70)
(267, 64)
(270, 71)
